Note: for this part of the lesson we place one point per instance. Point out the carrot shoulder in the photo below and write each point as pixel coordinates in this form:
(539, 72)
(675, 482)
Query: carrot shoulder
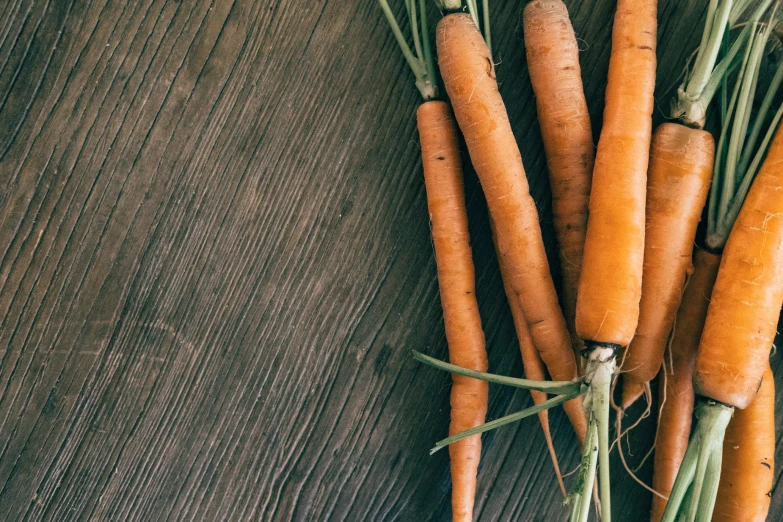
(610, 284)
(456, 279)
(678, 181)
(749, 460)
(553, 64)
(469, 76)
(674, 421)
(743, 315)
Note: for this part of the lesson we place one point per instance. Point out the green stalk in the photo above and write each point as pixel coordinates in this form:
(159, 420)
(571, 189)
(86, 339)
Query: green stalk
(600, 367)
(724, 89)
(739, 152)
(508, 419)
(756, 131)
(692, 96)
(413, 62)
(485, 14)
(581, 509)
(602, 384)
(698, 480)
(717, 20)
(740, 124)
(718, 176)
(429, 62)
(710, 487)
(742, 191)
(699, 472)
(737, 9)
(554, 387)
(420, 64)
(473, 10)
(415, 29)
(730, 61)
(682, 490)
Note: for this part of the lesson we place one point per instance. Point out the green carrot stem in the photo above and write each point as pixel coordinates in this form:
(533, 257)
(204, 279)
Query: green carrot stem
(698, 481)
(420, 64)
(429, 62)
(742, 191)
(750, 145)
(554, 387)
(473, 10)
(413, 62)
(721, 158)
(700, 468)
(717, 21)
(584, 488)
(740, 123)
(693, 97)
(737, 9)
(412, 14)
(727, 64)
(487, 33)
(710, 487)
(554, 401)
(600, 367)
(739, 152)
(682, 489)
(602, 384)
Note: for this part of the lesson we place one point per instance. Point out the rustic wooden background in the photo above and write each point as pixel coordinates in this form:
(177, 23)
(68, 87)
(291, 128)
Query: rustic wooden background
(215, 260)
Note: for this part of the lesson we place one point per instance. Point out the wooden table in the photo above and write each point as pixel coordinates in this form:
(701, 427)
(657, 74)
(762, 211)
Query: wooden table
(215, 260)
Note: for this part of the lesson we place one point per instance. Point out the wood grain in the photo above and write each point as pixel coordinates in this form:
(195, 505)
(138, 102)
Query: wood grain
(215, 260)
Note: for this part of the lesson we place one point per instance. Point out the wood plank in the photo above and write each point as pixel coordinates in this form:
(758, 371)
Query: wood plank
(215, 260)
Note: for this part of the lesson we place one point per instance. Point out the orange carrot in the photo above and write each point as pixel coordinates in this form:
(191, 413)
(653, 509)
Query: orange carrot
(469, 76)
(610, 284)
(456, 279)
(748, 291)
(531, 362)
(676, 389)
(749, 459)
(678, 181)
(743, 315)
(553, 63)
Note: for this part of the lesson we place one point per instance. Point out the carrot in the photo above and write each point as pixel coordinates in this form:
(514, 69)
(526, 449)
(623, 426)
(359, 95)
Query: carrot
(679, 175)
(553, 63)
(678, 181)
(749, 459)
(531, 362)
(676, 389)
(456, 275)
(690, 106)
(469, 76)
(748, 292)
(456, 279)
(610, 284)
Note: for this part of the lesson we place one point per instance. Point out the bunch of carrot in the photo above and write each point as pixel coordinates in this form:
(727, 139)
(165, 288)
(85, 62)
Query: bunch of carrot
(626, 215)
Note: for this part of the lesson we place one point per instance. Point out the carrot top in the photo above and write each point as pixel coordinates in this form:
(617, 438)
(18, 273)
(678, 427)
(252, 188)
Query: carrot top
(708, 74)
(741, 147)
(421, 63)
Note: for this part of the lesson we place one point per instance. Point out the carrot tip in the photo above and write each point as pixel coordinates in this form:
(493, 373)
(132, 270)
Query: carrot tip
(631, 393)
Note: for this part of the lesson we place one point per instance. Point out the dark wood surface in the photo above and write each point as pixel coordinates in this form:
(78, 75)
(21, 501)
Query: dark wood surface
(215, 260)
